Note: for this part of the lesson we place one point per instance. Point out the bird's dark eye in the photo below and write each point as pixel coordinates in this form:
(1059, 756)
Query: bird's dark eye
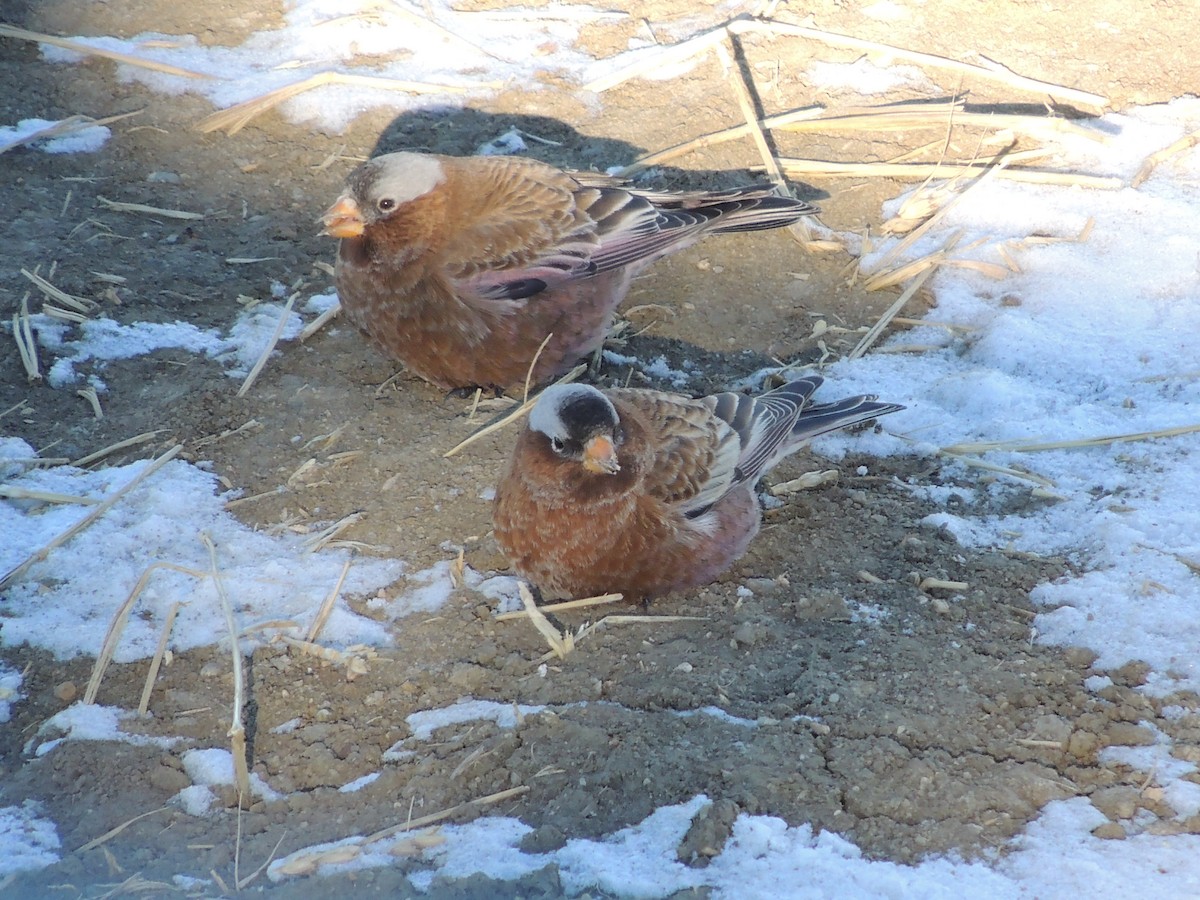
(386, 204)
(557, 444)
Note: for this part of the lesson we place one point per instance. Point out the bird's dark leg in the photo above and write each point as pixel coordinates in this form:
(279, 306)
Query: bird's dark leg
(490, 391)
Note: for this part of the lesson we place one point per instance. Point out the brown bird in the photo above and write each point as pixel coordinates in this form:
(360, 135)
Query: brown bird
(646, 492)
(460, 267)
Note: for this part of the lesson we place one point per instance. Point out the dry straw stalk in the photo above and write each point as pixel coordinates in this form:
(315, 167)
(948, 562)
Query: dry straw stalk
(111, 637)
(234, 119)
(989, 71)
(159, 652)
(69, 125)
(261, 362)
(147, 470)
(921, 171)
(87, 49)
(510, 416)
(1019, 446)
(237, 731)
(122, 206)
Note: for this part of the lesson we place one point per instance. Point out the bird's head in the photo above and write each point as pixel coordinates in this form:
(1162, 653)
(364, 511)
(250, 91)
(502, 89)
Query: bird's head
(379, 187)
(580, 424)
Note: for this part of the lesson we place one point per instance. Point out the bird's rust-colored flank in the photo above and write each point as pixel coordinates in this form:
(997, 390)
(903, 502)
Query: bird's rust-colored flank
(673, 507)
(461, 267)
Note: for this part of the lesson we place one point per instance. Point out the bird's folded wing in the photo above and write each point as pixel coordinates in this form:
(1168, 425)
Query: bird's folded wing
(516, 223)
(692, 456)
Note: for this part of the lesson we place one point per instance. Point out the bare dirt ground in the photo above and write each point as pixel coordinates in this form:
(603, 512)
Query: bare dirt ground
(936, 726)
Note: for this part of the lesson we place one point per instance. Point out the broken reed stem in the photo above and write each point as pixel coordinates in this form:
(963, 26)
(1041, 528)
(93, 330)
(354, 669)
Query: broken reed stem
(269, 349)
(562, 607)
(877, 329)
(89, 394)
(742, 91)
(19, 493)
(237, 733)
(806, 482)
(322, 538)
(319, 322)
(122, 206)
(528, 372)
(716, 137)
(888, 117)
(111, 637)
(908, 118)
(660, 59)
(113, 448)
(249, 879)
(921, 171)
(105, 505)
(1184, 143)
(26, 345)
(235, 118)
(920, 231)
(434, 818)
(589, 629)
(991, 71)
(560, 644)
(159, 653)
(1016, 446)
(88, 50)
(69, 125)
(327, 606)
(974, 462)
(78, 304)
(113, 832)
(511, 416)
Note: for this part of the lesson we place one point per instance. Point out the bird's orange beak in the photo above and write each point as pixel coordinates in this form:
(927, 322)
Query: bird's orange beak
(600, 456)
(343, 219)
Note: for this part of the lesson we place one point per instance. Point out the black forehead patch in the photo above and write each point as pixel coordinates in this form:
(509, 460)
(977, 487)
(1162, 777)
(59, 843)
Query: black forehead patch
(587, 414)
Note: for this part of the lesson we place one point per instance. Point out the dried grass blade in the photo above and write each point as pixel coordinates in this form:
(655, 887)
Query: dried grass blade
(717, 137)
(88, 50)
(319, 322)
(113, 448)
(322, 538)
(667, 56)
(26, 344)
(122, 206)
(1038, 447)
(743, 93)
(921, 171)
(78, 304)
(67, 126)
(991, 72)
(974, 462)
(113, 832)
(270, 348)
(147, 470)
(327, 606)
(159, 653)
(558, 643)
(510, 416)
(12, 492)
(235, 118)
(1184, 143)
(877, 329)
(434, 818)
(237, 732)
(582, 603)
(109, 646)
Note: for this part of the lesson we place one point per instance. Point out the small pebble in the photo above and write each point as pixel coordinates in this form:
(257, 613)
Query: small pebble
(66, 692)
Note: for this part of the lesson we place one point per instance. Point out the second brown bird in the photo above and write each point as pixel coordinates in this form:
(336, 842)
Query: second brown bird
(460, 267)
